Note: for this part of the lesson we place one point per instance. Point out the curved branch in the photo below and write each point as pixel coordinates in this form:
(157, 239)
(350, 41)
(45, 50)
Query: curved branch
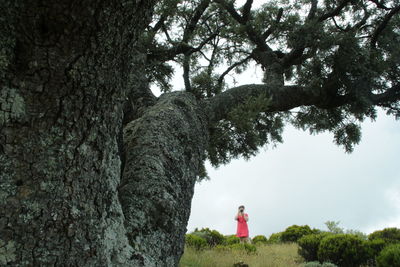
(272, 28)
(391, 95)
(282, 99)
(191, 26)
(221, 78)
(251, 33)
(313, 9)
(159, 24)
(334, 12)
(383, 25)
(178, 49)
(231, 10)
(288, 97)
(247, 9)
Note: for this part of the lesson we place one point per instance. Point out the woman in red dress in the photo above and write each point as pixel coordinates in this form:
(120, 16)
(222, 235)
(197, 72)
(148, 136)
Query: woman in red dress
(242, 228)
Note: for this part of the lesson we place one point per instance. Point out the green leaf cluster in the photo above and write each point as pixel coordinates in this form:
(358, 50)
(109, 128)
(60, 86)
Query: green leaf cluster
(344, 56)
(246, 129)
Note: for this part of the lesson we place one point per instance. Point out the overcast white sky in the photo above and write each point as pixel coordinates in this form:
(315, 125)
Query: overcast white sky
(306, 180)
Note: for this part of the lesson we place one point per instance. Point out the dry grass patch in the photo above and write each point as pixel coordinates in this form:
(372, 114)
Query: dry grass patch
(266, 255)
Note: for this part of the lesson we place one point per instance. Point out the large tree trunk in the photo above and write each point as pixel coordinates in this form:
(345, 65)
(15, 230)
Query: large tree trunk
(66, 70)
(164, 151)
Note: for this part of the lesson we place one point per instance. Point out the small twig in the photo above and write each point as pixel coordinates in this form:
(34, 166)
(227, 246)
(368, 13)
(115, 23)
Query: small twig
(221, 78)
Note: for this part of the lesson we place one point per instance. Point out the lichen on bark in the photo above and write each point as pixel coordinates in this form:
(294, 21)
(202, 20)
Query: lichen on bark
(12, 105)
(7, 252)
(164, 154)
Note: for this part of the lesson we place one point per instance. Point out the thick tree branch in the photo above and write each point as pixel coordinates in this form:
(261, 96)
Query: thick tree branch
(159, 24)
(191, 26)
(229, 7)
(289, 97)
(383, 25)
(272, 28)
(253, 36)
(179, 49)
(282, 99)
(313, 9)
(390, 96)
(335, 11)
(247, 9)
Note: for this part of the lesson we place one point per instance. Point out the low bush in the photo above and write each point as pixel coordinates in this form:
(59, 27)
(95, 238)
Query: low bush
(195, 241)
(275, 238)
(309, 244)
(389, 235)
(343, 250)
(213, 237)
(249, 248)
(389, 256)
(231, 239)
(259, 239)
(295, 232)
(374, 248)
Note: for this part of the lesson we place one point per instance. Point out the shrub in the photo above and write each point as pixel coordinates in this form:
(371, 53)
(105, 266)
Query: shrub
(390, 235)
(317, 264)
(249, 248)
(343, 250)
(374, 248)
(231, 239)
(333, 227)
(294, 232)
(259, 239)
(275, 238)
(212, 237)
(389, 256)
(195, 241)
(309, 244)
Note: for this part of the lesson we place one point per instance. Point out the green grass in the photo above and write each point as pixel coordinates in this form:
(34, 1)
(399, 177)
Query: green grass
(266, 255)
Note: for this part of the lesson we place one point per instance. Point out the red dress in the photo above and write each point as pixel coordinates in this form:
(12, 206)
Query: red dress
(242, 228)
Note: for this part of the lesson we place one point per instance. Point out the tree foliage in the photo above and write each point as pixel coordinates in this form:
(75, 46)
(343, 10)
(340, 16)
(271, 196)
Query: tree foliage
(345, 53)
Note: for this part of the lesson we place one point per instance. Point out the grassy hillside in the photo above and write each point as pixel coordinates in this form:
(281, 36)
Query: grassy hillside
(265, 256)
(293, 247)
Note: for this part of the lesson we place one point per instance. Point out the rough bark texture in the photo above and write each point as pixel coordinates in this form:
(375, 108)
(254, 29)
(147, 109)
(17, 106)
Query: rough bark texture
(94, 170)
(164, 150)
(65, 71)
(281, 98)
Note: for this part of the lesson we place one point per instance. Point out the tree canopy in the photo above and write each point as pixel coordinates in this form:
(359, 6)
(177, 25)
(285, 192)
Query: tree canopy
(341, 58)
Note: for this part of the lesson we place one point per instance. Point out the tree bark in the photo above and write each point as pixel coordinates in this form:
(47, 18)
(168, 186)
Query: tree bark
(164, 151)
(66, 72)
(94, 170)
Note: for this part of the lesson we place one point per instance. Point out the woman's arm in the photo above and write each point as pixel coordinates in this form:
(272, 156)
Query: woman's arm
(246, 217)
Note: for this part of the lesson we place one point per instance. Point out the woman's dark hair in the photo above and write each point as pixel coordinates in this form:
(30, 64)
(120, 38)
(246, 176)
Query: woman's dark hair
(241, 206)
